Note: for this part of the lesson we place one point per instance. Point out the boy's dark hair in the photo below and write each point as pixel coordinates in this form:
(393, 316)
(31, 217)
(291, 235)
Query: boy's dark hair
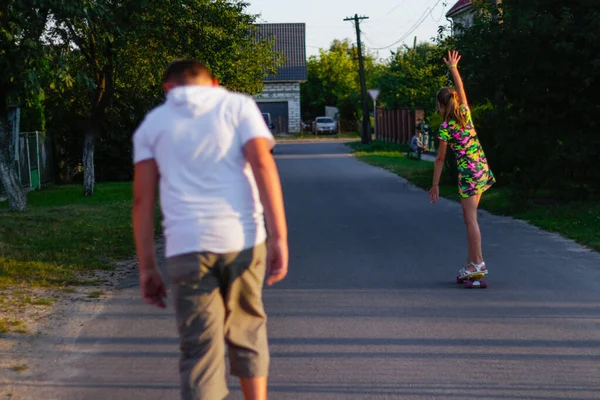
(183, 71)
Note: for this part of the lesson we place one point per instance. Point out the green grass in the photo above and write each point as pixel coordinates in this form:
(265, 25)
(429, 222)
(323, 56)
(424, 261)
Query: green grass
(67, 289)
(95, 294)
(12, 325)
(20, 367)
(310, 136)
(4, 327)
(46, 301)
(64, 233)
(579, 221)
(63, 238)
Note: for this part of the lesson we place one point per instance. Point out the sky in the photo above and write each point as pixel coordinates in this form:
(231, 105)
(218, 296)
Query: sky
(390, 21)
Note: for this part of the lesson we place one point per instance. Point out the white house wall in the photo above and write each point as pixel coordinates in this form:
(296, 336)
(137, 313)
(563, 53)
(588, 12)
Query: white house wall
(463, 20)
(284, 91)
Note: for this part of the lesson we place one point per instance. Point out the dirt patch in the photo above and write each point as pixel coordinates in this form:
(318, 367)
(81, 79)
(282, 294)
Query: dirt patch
(26, 310)
(52, 310)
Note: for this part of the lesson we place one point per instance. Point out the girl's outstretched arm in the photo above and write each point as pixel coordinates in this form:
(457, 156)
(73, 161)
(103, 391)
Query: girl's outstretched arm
(452, 63)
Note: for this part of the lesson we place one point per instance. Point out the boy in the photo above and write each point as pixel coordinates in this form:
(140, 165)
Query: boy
(416, 144)
(210, 150)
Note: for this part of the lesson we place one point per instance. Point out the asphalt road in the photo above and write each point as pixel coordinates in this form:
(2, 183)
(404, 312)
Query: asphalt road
(370, 309)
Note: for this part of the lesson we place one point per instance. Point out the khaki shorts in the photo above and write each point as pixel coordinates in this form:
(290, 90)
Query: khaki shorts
(218, 301)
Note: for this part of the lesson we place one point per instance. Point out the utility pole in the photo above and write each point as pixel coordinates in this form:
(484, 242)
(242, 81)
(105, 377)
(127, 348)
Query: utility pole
(366, 126)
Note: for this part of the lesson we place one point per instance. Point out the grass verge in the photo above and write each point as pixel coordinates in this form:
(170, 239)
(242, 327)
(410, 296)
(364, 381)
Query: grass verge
(95, 294)
(20, 367)
(63, 237)
(11, 325)
(579, 221)
(310, 137)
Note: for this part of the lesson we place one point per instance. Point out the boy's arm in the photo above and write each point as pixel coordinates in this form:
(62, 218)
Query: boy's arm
(145, 177)
(145, 180)
(258, 154)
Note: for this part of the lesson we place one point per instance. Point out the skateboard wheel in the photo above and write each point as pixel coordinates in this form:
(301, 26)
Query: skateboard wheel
(484, 284)
(469, 284)
(458, 280)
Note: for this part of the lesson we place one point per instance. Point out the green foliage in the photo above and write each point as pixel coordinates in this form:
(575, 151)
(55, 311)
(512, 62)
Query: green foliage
(409, 78)
(537, 65)
(21, 52)
(412, 78)
(333, 80)
(97, 65)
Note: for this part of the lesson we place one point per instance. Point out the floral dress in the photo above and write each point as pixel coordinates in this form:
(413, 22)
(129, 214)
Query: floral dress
(474, 174)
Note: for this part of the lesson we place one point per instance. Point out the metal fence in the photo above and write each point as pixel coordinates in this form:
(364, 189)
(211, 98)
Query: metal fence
(34, 159)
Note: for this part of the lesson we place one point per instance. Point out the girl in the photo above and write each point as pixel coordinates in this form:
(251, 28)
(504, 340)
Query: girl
(474, 175)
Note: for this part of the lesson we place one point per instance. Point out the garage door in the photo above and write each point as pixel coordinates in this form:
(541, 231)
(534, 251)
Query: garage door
(279, 114)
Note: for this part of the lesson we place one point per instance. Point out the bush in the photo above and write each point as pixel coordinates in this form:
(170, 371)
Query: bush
(536, 77)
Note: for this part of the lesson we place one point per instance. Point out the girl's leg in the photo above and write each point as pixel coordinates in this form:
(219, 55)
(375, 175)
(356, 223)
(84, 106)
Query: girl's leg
(469, 206)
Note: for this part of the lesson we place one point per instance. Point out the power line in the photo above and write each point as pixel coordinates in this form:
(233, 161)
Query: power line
(412, 29)
(368, 39)
(394, 9)
(441, 15)
(416, 26)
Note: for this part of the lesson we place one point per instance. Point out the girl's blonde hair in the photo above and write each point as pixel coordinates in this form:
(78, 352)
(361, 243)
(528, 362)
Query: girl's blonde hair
(448, 98)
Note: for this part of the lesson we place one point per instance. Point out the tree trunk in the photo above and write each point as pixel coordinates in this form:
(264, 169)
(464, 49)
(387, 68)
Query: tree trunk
(17, 198)
(89, 176)
(102, 95)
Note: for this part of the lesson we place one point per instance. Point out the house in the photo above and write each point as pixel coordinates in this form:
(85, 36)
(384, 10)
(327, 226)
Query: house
(281, 94)
(462, 14)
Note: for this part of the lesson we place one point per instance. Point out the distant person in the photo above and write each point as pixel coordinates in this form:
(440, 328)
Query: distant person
(209, 149)
(474, 174)
(416, 143)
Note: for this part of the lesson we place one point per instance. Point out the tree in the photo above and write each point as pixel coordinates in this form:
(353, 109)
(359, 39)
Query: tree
(112, 45)
(412, 77)
(333, 80)
(22, 25)
(95, 33)
(537, 65)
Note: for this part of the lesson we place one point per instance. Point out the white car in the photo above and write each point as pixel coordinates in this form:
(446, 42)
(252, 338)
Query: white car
(325, 125)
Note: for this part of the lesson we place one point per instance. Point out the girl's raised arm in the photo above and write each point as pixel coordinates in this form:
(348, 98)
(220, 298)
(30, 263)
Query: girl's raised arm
(452, 63)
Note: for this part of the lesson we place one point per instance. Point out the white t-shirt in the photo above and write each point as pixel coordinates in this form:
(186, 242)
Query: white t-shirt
(208, 195)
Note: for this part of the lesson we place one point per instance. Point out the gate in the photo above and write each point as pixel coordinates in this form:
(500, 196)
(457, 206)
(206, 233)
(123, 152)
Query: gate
(398, 125)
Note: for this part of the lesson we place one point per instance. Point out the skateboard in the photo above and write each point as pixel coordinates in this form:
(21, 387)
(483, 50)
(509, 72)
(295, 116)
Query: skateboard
(474, 281)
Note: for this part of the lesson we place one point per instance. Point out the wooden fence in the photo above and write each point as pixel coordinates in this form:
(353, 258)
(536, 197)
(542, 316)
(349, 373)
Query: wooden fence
(398, 125)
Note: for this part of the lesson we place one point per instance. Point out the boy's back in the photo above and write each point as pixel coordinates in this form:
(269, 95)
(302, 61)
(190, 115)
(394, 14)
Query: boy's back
(208, 192)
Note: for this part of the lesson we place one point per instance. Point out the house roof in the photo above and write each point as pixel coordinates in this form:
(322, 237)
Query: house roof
(458, 7)
(290, 41)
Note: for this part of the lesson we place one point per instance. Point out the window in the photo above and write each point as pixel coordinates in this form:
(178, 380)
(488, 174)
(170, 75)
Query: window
(325, 120)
